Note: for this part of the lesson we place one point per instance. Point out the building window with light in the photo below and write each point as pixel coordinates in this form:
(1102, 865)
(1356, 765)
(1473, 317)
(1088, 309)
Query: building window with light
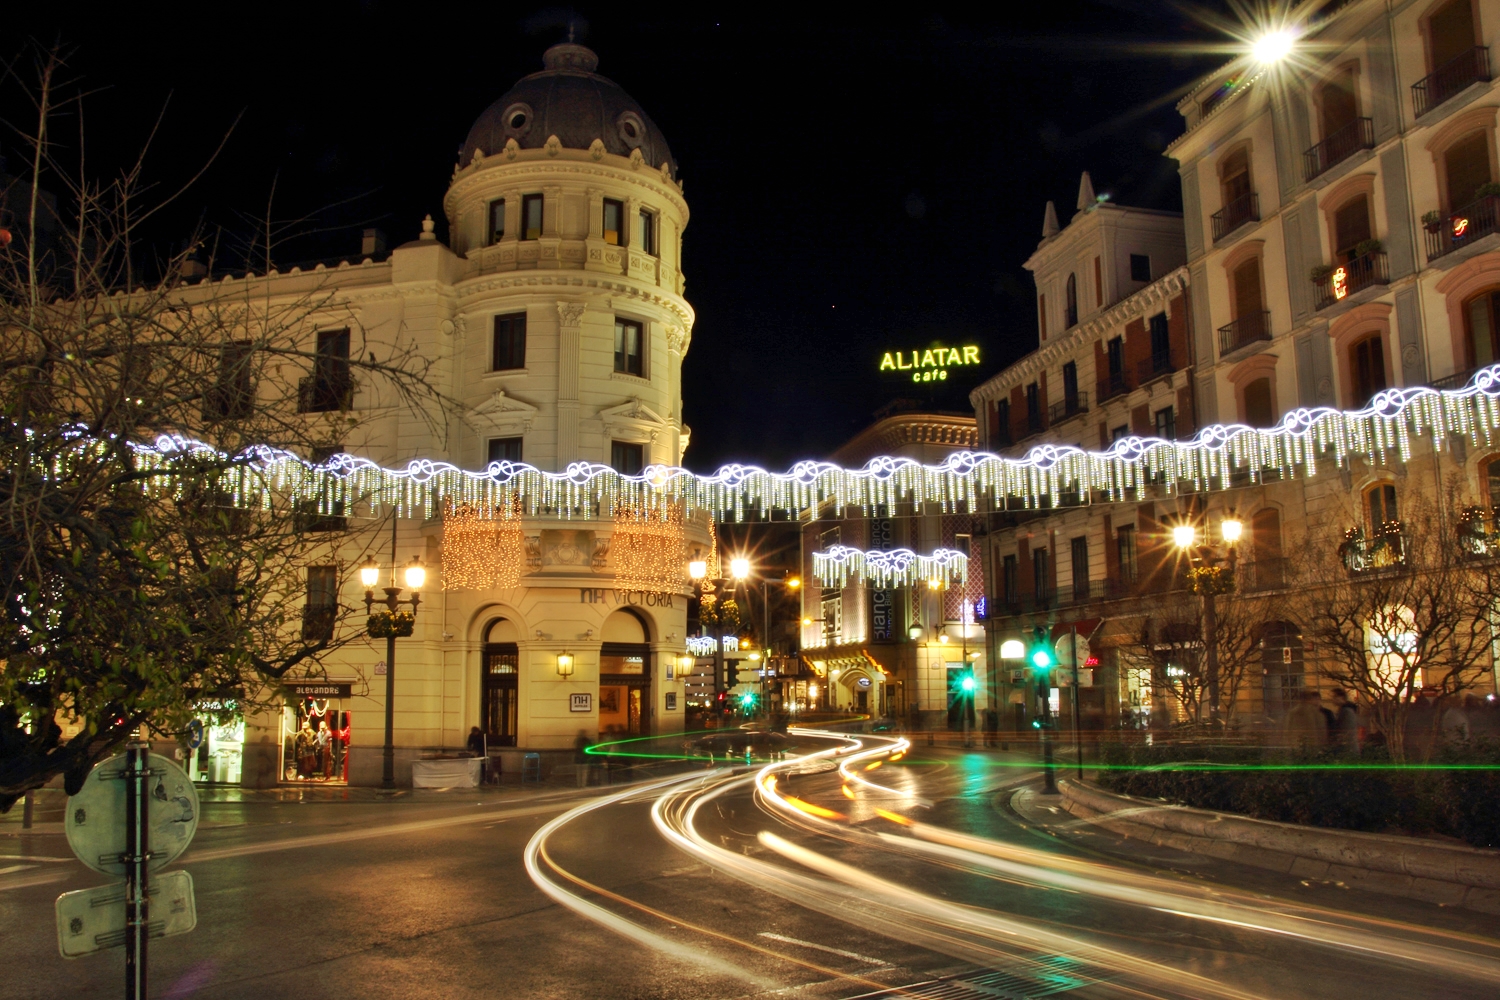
(630, 358)
(503, 450)
(509, 347)
(1380, 502)
(531, 217)
(626, 458)
(614, 222)
(497, 220)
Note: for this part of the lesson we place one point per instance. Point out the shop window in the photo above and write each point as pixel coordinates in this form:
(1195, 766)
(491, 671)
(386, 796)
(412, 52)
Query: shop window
(510, 343)
(1367, 366)
(1080, 558)
(322, 603)
(1008, 574)
(1140, 267)
(1380, 502)
(497, 220)
(1466, 167)
(1166, 424)
(1125, 549)
(626, 458)
(1481, 333)
(503, 450)
(614, 221)
(646, 232)
(1071, 318)
(315, 740)
(219, 759)
(624, 688)
(531, 217)
(1259, 410)
(630, 357)
(1040, 589)
(1351, 227)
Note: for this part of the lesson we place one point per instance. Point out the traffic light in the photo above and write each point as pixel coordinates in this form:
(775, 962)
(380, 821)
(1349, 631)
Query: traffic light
(1040, 655)
(968, 683)
(731, 673)
(747, 702)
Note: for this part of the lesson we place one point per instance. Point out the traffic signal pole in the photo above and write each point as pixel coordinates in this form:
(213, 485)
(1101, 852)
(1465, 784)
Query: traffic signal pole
(1042, 662)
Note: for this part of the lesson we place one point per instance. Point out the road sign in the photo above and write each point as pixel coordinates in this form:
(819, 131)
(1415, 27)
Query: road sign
(195, 733)
(91, 920)
(95, 818)
(1072, 650)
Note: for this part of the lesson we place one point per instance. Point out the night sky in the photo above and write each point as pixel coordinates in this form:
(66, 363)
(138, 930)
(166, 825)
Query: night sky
(857, 183)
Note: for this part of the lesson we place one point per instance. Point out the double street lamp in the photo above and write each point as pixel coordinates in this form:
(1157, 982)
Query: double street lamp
(387, 625)
(1212, 575)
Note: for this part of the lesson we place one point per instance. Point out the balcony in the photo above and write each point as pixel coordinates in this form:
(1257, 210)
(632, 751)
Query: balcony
(1455, 381)
(1034, 424)
(1068, 408)
(325, 392)
(1268, 573)
(1338, 147)
(1245, 330)
(1447, 80)
(1154, 367)
(317, 621)
(1245, 208)
(1358, 274)
(1112, 385)
(1479, 532)
(1465, 226)
(1386, 548)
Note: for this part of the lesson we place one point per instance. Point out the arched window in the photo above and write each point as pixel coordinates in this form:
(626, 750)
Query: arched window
(1259, 410)
(1367, 368)
(1268, 563)
(1380, 505)
(1072, 317)
(1481, 333)
(625, 670)
(1351, 227)
(498, 696)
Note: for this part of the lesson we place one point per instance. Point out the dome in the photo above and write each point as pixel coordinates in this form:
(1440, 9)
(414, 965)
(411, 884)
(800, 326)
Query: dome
(568, 100)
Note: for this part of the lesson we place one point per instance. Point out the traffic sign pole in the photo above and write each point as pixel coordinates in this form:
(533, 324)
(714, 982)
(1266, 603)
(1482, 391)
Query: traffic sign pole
(137, 854)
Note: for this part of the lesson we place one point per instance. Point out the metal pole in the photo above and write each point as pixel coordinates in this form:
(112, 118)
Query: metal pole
(137, 852)
(388, 754)
(1211, 644)
(1049, 778)
(1077, 740)
(26, 805)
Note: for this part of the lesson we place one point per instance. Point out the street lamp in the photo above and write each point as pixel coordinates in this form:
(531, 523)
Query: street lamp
(1213, 575)
(1273, 46)
(387, 625)
(565, 664)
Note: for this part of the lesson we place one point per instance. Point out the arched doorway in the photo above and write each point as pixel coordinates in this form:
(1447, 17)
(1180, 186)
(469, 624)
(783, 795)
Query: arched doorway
(625, 670)
(499, 694)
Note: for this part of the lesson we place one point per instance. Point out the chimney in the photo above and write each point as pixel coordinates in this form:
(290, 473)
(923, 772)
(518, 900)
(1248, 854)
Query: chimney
(373, 245)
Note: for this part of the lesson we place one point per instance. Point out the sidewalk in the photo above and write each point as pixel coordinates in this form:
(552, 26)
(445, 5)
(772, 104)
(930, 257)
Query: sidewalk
(1046, 813)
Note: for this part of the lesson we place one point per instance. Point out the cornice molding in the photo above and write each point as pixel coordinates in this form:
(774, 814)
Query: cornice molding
(500, 169)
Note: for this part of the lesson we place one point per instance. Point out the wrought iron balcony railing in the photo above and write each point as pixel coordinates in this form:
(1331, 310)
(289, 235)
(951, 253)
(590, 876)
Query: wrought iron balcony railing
(1154, 367)
(1112, 385)
(1358, 274)
(325, 392)
(1450, 78)
(317, 621)
(1384, 548)
(1467, 225)
(1245, 208)
(1246, 330)
(1338, 147)
(1070, 407)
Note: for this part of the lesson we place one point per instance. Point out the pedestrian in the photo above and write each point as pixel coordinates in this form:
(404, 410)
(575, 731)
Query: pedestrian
(1346, 728)
(476, 741)
(1305, 725)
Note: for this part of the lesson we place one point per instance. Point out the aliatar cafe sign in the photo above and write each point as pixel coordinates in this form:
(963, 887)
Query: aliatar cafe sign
(932, 364)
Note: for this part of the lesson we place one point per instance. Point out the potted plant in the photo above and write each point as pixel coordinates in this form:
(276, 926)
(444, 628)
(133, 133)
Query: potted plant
(1486, 190)
(1432, 221)
(1319, 273)
(1364, 247)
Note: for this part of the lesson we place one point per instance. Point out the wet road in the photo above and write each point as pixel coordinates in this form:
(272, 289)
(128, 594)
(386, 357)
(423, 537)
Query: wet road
(939, 873)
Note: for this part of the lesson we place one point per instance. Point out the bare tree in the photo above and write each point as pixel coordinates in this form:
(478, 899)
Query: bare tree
(1177, 649)
(132, 590)
(1392, 613)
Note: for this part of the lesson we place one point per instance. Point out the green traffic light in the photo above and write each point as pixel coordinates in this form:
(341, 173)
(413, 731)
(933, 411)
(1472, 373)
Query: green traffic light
(1041, 659)
(968, 684)
(747, 699)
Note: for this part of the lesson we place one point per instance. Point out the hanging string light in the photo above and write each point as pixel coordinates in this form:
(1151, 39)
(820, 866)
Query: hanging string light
(649, 548)
(482, 549)
(889, 567)
(1131, 469)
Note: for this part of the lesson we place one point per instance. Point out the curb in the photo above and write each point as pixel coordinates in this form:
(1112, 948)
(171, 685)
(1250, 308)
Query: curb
(1428, 870)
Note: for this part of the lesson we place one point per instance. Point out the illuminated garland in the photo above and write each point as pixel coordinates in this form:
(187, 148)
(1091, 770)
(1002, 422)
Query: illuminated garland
(703, 645)
(889, 567)
(648, 548)
(1132, 469)
(482, 550)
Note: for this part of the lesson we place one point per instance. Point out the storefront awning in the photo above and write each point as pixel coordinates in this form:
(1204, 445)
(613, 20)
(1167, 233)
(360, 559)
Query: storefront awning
(844, 659)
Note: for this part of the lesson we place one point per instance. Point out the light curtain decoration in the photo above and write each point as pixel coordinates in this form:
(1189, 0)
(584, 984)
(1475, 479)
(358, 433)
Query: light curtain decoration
(889, 567)
(1132, 469)
(703, 645)
(649, 548)
(482, 550)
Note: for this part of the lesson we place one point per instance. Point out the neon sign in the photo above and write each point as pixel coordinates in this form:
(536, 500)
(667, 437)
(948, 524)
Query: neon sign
(1460, 226)
(931, 365)
(1340, 282)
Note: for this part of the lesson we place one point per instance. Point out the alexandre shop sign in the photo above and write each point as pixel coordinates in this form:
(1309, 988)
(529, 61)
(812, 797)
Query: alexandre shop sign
(932, 364)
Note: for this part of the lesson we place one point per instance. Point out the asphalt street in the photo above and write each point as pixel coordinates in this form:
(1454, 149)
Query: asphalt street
(329, 892)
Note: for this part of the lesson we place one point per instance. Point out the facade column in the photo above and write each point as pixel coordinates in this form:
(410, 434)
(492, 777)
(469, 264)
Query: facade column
(677, 343)
(569, 348)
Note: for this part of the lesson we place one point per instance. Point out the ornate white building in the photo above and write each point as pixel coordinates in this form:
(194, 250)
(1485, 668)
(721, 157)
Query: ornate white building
(555, 319)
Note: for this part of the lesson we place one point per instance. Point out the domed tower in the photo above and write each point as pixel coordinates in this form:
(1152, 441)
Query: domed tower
(566, 208)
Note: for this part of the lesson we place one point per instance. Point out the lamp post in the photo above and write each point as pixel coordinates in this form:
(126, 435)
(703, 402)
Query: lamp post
(389, 624)
(792, 583)
(1213, 575)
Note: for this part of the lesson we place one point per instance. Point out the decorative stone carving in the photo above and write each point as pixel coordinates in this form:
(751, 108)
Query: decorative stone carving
(601, 553)
(666, 170)
(502, 411)
(534, 552)
(634, 421)
(677, 340)
(636, 159)
(552, 146)
(596, 149)
(512, 149)
(478, 156)
(1409, 356)
(570, 313)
